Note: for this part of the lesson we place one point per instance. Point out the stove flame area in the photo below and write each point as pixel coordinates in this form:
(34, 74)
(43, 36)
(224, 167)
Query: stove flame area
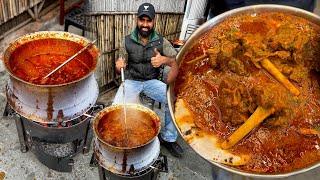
(55, 144)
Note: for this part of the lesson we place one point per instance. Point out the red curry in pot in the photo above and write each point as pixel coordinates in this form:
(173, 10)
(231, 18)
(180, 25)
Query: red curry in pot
(138, 129)
(34, 60)
(223, 88)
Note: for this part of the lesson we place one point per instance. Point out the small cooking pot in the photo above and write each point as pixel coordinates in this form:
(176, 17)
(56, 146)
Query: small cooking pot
(108, 126)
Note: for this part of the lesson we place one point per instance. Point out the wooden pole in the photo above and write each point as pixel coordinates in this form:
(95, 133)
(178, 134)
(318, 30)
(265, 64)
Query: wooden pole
(61, 16)
(107, 33)
(99, 46)
(103, 25)
(112, 57)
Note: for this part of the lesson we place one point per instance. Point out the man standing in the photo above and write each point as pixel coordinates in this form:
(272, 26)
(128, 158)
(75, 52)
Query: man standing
(147, 52)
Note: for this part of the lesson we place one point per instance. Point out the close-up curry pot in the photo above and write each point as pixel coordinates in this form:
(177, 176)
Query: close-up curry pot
(32, 57)
(249, 83)
(63, 96)
(124, 131)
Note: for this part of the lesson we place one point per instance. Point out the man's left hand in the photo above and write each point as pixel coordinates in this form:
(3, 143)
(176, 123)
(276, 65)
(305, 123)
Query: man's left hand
(158, 60)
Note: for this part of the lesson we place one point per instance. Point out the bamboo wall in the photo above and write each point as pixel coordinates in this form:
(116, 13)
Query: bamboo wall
(132, 5)
(11, 8)
(110, 30)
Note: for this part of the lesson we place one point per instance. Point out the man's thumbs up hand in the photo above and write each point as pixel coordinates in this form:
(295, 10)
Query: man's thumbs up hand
(157, 60)
(156, 52)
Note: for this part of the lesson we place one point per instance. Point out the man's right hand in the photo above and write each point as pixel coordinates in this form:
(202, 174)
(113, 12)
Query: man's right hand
(120, 63)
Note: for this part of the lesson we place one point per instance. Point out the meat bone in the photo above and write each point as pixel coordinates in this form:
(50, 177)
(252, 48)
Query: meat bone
(260, 113)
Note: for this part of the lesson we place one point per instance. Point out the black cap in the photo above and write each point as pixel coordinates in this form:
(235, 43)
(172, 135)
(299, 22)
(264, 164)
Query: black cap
(146, 9)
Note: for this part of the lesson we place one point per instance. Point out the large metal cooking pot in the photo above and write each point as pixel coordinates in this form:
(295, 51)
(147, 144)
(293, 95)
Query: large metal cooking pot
(51, 103)
(207, 26)
(106, 111)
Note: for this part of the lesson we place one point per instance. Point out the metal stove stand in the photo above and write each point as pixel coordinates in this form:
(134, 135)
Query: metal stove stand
(151, 173)
(55, 146)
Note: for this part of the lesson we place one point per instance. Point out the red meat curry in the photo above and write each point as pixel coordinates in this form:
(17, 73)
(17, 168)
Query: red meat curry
(222, 82)
(137, 129)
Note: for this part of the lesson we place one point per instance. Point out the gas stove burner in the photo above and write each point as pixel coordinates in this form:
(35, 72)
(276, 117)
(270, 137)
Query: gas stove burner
(55, 145)
(143, 163)
(57, 150)
(127, 162)
(151, 173)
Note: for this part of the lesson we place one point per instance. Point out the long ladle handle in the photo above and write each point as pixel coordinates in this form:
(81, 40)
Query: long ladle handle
(122, 74)
(68, 60)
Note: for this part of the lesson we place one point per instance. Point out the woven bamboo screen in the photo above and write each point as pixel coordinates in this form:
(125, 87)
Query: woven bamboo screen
(11, 8)
(132, 5)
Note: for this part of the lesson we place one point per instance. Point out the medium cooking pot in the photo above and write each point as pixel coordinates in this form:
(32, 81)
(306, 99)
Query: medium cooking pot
(56, 102)
(194, 39)
(115, 113)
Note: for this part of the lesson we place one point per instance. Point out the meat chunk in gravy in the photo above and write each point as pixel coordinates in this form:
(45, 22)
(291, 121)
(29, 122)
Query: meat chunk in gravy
(233, 77)
(234, 101)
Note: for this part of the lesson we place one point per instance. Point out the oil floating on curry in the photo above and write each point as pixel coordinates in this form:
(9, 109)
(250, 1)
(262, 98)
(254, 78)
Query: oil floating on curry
(34, 60)
(141, 127)
(251, 84)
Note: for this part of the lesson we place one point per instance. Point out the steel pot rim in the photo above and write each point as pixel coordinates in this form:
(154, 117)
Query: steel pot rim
(99, 115)
(208, 25)
(46, 35)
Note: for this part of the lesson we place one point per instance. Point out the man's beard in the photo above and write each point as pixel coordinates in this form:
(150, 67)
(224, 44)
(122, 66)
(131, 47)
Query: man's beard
(144, 33)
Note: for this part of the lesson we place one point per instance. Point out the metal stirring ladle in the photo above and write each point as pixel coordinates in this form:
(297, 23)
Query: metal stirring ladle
(124, 105)
(71, 58)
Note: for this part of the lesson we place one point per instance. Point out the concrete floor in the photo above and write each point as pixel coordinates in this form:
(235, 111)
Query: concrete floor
(19, 165)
